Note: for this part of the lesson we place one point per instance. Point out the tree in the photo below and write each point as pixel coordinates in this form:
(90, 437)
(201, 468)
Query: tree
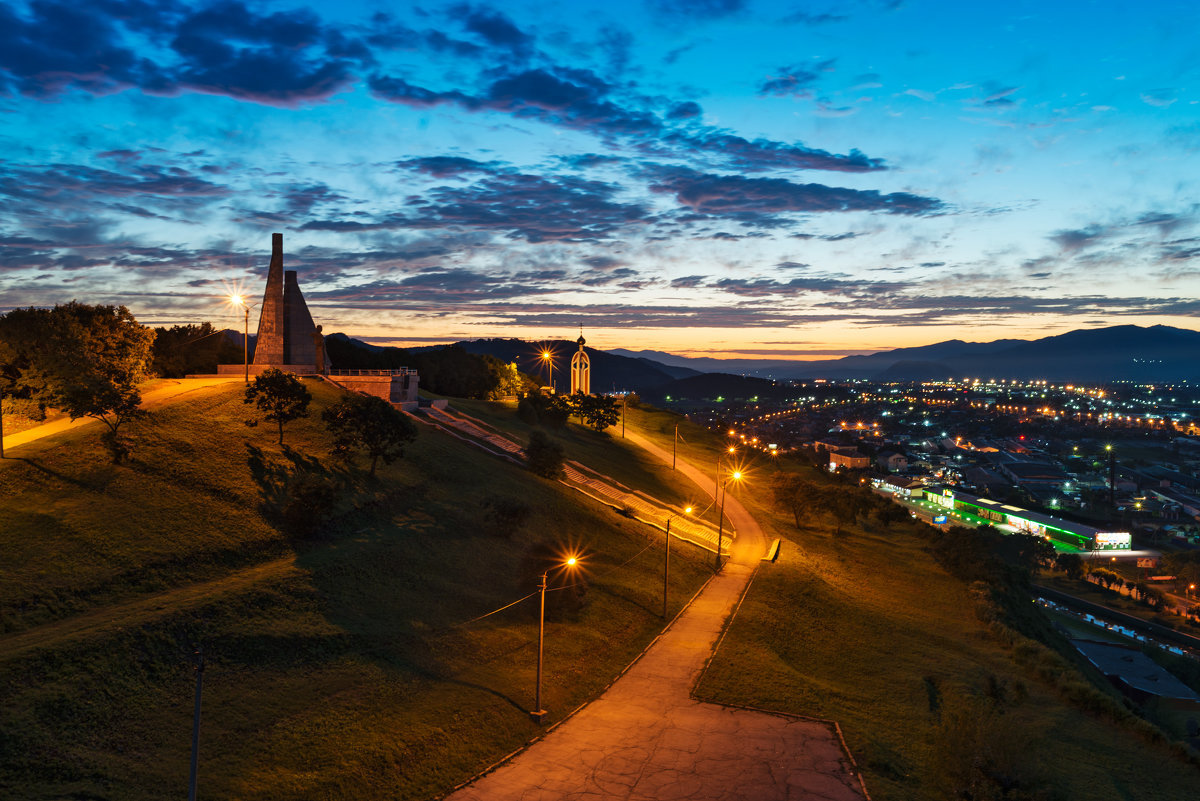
(1069, 563)
(370, 423)
(544, 456)
(594, 410)
(279, 396)
(184, 349)
(538, 408)
(84, 360)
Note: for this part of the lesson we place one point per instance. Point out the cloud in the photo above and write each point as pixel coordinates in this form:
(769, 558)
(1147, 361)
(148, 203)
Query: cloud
(688, 281)
(691, 10)
(516, 205)
(579, 99)
(796, 80)
(284, 58)
(734, 195)
(1160, 98)
(446, 166)
(497, 30)
(807, 18)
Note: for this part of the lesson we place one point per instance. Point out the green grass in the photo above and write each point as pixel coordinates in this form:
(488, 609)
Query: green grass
(868, 630)
(338, 667)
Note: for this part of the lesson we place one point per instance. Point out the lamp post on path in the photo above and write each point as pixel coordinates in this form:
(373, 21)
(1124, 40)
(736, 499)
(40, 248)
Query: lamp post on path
(667, 560)
(736, 475)
(538, 713)
(238, 300)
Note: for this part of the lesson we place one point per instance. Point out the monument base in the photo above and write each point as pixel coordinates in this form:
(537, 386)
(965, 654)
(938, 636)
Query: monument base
(255, 369)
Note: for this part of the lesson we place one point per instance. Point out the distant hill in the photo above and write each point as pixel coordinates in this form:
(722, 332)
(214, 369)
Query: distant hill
(610, 372)
(1116, 353)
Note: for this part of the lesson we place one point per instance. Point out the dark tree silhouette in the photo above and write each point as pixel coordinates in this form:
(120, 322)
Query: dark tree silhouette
(84, 360)
(369, 423)
(279, 396)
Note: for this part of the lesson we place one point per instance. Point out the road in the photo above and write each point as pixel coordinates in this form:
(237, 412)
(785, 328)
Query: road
(647, 739)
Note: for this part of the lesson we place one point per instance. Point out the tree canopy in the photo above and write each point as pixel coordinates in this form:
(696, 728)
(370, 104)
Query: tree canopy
(279, 396)
(369, 423)
(84, 360)
(594, 410)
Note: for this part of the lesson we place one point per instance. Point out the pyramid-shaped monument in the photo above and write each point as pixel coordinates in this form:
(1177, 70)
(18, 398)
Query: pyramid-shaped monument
(287, 338)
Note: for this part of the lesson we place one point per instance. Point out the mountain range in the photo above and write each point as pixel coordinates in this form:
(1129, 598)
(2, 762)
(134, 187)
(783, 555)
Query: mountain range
(1115, 353)
(1118, 353)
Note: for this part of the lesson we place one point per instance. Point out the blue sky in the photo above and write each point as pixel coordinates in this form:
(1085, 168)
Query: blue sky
(713, 177)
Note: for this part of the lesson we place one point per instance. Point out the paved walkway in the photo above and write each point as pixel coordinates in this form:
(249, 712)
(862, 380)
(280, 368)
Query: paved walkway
(647, 739)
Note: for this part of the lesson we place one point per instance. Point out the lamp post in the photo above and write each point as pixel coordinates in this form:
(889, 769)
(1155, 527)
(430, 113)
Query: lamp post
(734, 476)
(539, 714)
(238, 300)
(667, 560)
(548, 358)
(717, 475)
(1112, 482)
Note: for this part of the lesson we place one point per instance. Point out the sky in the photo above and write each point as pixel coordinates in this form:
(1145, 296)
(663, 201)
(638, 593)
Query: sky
(723, 178)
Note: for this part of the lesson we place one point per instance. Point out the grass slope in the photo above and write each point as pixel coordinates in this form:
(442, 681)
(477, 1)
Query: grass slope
(867, 629)
(337, 667)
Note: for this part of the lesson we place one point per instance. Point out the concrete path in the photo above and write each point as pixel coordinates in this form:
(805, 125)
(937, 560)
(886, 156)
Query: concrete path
(155, 397)
(646, 739)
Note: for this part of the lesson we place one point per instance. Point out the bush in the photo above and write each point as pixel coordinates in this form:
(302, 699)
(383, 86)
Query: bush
(24, 407)
(544, 456)
(505, 517)
(311, 500)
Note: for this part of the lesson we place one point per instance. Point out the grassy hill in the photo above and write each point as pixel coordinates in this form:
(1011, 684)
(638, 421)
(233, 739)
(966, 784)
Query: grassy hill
(339, 664)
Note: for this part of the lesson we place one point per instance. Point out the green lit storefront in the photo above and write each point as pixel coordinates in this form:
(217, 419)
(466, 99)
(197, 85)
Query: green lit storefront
(1064, 534)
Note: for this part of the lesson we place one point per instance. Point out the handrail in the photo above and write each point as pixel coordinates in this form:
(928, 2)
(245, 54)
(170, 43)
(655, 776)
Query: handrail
(397, 371)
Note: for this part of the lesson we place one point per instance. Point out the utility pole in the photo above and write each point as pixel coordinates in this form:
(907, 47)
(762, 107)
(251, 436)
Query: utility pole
(674, 442)
(196, 722)
(666, 567)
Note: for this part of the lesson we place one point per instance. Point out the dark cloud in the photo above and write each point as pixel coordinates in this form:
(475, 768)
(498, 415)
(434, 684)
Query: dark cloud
(61, 46)
(282, 58)
(519, 205)
(603, 262)
(759, 154)
(615, 44)
(497, 30)
(277, 59)
(446, 166)
(795, 80)
(684, 111)
(437, 286)
(768, 287)
(579, 99)
(69, 184)
(688, 281)
(807, 18)
(587, 160)
(676, 10)
(736, 195)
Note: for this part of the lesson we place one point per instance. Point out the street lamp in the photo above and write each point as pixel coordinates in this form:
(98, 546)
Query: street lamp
(734, 476)
(539, 714)
(667, 559)
(547, 356)
(238, 300)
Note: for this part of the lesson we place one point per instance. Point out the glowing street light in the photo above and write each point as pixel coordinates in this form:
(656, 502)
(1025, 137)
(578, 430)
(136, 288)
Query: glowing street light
(239, 300)
(568, 563)
(547, 356)
(736, 475)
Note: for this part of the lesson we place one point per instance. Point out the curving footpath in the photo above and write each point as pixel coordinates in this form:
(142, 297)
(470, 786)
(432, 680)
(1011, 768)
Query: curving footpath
(647, 739)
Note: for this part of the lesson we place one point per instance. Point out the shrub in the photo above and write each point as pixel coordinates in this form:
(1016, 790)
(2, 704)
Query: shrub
(311, 500)
(544, 456)
(505, 517)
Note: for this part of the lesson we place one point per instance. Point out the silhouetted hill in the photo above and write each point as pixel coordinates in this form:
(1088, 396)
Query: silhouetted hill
(1116, 353)
(718, 387)
(610, 372)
